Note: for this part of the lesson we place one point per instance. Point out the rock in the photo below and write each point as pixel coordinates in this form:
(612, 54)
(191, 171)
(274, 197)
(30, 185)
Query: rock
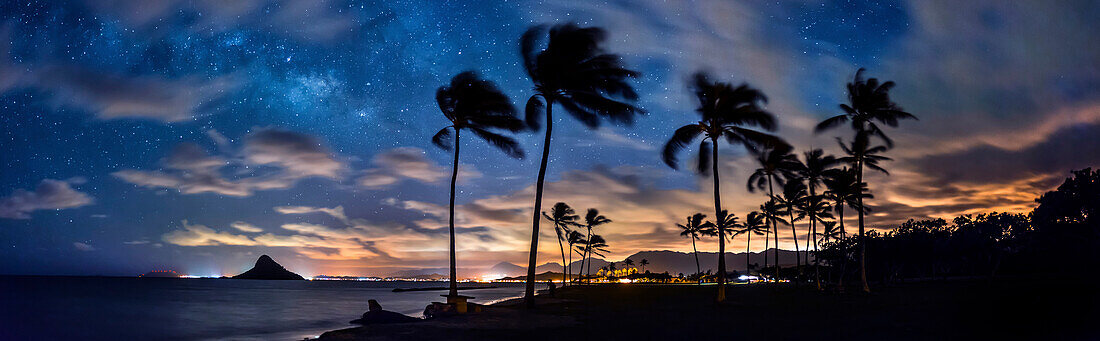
(266, 268)
(376, 315)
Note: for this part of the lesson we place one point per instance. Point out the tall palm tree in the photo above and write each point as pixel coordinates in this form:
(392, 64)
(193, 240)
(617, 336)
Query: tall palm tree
(478, 106)
(755, 223)
(574, 71)
(725, 112)
(816, 168)
(563, 217)
(693, 228)
(777, 164)
(868, 105)
(643, 264)
(862, 155)
(575, 239)
(592, 220)
(725, 225)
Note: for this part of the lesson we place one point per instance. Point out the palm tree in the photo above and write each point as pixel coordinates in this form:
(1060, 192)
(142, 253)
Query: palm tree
(563, 218)
(693, 228)
(725, 111)
(868, 104)
(775, 211)
(575, 238)
(817, 167)
(861, 155)
(596, 245)
(575, 72)
(592, 219)
(815, 209)
(755, 223)
(794, 191)
(477, 105)
(777, 164)
(644, 263)
(843, 190)
(628, 263)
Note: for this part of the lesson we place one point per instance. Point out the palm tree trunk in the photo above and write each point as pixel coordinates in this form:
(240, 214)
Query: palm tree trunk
(797, 254)
(698, 269)
(767, 240)
(560, 246)
(843, 250)
(862, 236)
(453, 291)
(529, 291)
(587, 256)
(748, 249)
(775, 226)
(569, 269)
(721, 229)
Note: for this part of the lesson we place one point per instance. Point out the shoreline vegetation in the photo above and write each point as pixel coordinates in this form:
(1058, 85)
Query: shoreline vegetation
(1006, 308)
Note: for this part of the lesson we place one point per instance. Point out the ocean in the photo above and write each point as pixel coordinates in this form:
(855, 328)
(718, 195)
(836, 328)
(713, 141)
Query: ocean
(119, 308)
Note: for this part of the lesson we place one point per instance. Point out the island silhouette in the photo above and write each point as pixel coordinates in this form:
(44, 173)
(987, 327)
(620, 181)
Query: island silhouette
(267, 268)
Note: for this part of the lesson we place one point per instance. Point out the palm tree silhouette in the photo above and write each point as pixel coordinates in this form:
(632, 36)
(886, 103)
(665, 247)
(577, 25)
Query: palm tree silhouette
(861, 155)
(868, 104)
(755, 223)
(774, 210)
(596, 245)
(592, 219)
(724, 110)
(628, 263)
(843, 190)
(815, 209)
(575, 72)
(477, 105)
(644, 263)
(563, 218)
(794, 191)
(694, 228)
(725, 225)
(577, 239)
(777, 164)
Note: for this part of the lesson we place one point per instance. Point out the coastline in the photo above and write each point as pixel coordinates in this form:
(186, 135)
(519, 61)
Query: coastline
(977, 309)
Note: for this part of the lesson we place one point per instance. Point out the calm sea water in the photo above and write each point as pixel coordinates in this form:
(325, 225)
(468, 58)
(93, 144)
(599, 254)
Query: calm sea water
(97, 308)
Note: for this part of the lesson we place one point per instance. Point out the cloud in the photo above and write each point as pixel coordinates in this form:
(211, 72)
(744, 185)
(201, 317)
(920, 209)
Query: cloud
(336, 212)
(307, 21)
(83, 247)
(246, 227)
(136, 242)
(191, 170)
(394, 165)
(200, 235)
(49, 195)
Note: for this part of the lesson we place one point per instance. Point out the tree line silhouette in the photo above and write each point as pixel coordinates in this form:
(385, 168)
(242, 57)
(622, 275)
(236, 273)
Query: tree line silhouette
(569, 68)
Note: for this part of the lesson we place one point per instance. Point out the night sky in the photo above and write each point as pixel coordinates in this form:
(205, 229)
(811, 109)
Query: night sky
(196, 135)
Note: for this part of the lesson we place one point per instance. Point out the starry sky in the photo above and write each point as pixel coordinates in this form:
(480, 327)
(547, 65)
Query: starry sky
(196, 135)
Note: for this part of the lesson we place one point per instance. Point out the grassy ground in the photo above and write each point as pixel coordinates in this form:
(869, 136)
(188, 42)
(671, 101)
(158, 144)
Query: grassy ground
(971, 310)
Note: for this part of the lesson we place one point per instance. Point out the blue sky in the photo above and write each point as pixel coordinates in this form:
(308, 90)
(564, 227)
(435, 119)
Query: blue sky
(196, 135)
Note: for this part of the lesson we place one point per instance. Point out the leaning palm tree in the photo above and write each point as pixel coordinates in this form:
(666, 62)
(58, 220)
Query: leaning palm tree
(725, 111)
(592, 220)
(564, 218)
(868, 105)
(755, 223)
(693, 228)
(478, 106)
(574, 71)
(777, 164)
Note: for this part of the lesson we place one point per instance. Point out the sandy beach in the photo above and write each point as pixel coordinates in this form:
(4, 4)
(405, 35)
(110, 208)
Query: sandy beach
(961, 309)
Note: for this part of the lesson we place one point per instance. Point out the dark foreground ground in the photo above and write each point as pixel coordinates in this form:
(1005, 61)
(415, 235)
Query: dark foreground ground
(953, 310)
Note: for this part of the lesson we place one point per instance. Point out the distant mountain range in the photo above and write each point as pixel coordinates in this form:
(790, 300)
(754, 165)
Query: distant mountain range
(673, 262)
